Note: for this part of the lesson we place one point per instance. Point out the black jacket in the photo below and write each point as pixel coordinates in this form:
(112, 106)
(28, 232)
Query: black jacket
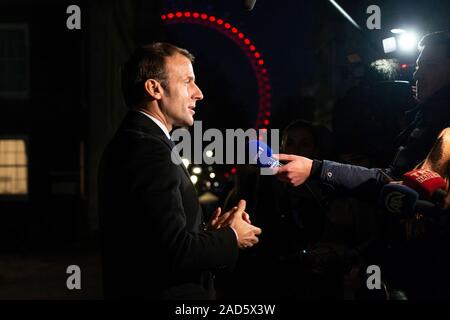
(153, 245)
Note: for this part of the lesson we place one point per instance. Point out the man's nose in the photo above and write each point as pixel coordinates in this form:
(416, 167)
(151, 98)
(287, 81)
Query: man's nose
(198, 95)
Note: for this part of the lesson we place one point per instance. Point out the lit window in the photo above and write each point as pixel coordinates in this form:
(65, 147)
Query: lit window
(13, 167)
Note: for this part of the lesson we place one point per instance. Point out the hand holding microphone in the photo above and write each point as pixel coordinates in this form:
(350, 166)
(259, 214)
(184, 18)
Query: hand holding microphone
(261, 155)
(295, 172)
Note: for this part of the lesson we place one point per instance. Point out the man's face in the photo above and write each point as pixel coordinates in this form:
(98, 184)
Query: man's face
(179, 98)
(300, 141)
(432, 71)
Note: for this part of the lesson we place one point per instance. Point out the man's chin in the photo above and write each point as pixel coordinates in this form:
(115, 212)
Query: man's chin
(186, 123)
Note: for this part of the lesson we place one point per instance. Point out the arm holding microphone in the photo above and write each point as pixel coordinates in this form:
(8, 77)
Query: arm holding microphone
(341, 177)
(297, 170)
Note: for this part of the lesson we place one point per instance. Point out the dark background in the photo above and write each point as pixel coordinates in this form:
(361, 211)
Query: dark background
(72, 103)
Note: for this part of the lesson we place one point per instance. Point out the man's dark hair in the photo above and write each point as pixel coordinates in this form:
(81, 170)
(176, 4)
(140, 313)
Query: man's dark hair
(436, 38)
(147, 62)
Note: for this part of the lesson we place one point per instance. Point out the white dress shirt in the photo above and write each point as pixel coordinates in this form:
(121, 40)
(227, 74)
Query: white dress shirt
(159, 123)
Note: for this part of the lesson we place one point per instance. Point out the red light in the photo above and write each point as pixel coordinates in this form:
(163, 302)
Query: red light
(163, 17)
(233, 170)
(204, 16)
(195, 15)
(212, 18)
(247, 42)
(220, 21)
(261, 62)
(234, 30)
(241, 35)
(257, 55)
(187, 14)
(227, 25)
(170, 15)
(179, 14)
(404, 66)
(266, 122)
(252, 48)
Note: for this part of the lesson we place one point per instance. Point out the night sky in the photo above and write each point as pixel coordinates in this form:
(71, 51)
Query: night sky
(296, 39)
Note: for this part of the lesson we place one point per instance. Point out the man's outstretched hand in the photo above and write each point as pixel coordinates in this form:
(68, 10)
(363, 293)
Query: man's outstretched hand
(296, 171)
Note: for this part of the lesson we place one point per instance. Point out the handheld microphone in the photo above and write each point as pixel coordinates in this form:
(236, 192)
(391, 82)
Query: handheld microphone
(398, 199)
(260, 155)
(404, 202)
(248, 4)
(428, 183)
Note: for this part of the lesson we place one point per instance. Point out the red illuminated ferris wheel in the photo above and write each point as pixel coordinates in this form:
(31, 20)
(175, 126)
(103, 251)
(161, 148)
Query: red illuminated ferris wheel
(246, 45)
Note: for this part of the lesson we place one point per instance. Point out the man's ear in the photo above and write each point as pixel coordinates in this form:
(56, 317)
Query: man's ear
(153, 88)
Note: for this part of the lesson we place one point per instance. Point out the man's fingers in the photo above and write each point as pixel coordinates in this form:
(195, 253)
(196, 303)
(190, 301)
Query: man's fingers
(217, 213)
(250, 242)
(246, 217)
(284, 157)
(239, 210)
(242, 204)
(223, 218)
(257, 230)
(281, 170)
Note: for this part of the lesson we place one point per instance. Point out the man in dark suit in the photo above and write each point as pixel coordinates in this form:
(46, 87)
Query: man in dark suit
(153, 242)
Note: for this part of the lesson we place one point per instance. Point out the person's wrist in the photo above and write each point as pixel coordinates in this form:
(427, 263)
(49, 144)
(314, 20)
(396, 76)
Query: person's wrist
(316, 167)
(235, 232)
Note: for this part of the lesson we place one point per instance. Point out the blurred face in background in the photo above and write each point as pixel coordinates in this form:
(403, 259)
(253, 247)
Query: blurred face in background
(432, 71)
(300, 141)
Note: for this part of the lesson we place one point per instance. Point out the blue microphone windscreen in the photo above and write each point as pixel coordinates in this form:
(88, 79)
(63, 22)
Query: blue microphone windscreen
(260, 154)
